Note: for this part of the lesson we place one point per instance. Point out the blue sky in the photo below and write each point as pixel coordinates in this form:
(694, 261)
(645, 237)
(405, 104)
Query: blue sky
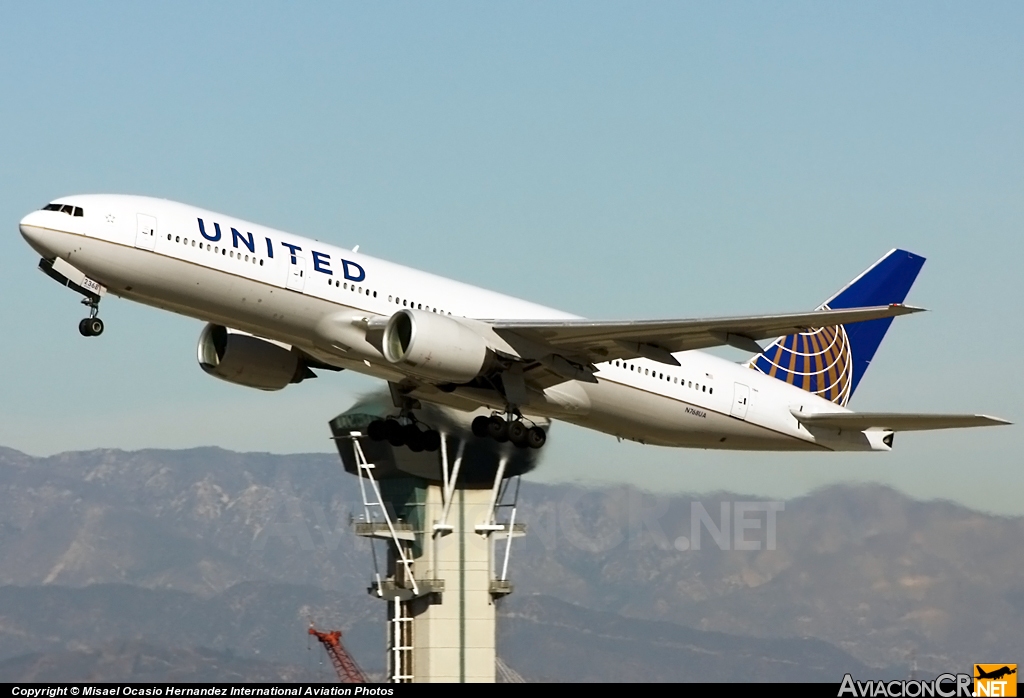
(611, 159)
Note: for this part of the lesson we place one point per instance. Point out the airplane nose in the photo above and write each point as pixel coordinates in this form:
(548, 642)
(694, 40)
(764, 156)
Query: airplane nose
(34, 233)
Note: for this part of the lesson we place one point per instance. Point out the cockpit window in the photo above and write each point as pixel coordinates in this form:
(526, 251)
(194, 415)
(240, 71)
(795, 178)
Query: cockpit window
(65, 208)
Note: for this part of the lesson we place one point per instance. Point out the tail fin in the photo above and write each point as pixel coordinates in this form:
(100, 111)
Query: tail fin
(830, 361)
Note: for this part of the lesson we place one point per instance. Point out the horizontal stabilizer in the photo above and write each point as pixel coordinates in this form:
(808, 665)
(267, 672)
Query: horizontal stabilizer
(895, 421)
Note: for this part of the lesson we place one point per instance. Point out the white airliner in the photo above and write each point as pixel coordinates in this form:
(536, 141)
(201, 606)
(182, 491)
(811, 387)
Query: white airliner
(279, 305)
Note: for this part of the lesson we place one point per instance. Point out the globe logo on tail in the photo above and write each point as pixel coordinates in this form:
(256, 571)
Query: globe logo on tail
(820, 361)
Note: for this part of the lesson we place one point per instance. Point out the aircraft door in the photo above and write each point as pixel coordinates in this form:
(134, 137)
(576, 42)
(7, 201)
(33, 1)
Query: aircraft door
(145, 234)
(297, 274)
(740, 401)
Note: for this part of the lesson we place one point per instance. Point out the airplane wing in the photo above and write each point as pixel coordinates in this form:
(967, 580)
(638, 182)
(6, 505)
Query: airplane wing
(895, 421)
(590, 341)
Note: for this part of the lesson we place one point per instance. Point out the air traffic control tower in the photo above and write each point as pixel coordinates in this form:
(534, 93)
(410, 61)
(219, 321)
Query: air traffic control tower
(441, 526)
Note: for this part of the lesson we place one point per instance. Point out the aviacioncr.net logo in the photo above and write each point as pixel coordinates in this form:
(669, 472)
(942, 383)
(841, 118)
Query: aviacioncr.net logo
(943, 686)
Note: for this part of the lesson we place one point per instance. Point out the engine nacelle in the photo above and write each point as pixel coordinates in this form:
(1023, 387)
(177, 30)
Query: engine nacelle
(247, 360)
(435, 347)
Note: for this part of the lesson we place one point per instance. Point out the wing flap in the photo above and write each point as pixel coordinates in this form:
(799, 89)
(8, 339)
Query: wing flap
(896, 421)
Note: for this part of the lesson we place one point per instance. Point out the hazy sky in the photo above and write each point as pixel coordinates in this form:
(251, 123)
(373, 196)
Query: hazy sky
(615, 160)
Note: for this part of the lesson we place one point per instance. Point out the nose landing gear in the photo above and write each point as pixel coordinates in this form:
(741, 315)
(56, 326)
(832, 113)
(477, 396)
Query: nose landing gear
(91, 326)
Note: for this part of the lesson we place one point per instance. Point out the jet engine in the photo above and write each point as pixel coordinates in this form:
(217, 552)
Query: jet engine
(435, 347)
(241, 358)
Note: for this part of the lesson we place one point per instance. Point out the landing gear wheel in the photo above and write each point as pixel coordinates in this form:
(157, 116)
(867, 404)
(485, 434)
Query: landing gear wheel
(431, 441)
(497, 429)
(91, 327)
(535, 437)
(413, 437)
(377, 430)
(394, 433)
(480, 426)
(517, 433)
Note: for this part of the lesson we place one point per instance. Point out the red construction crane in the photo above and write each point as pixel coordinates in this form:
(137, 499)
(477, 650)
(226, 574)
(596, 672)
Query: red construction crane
(347, 669)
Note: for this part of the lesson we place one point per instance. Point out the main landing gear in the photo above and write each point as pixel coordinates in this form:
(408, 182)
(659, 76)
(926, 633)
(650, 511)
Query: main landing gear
(91, 326)
(502, 430)
(408, 434)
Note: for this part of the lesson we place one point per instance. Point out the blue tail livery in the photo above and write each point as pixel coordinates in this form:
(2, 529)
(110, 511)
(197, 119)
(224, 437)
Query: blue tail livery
(830, 361)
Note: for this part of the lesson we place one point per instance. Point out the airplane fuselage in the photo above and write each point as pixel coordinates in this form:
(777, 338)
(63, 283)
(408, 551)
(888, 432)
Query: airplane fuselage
(318, 297)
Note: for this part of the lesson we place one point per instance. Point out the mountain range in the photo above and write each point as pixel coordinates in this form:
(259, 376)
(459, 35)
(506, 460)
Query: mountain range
(156, 565)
